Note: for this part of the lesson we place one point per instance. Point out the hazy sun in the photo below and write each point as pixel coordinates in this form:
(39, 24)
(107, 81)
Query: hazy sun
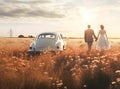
(88, 17)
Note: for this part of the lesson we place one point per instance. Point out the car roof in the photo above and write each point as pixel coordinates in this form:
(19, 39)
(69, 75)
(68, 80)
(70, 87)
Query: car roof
(51, 33)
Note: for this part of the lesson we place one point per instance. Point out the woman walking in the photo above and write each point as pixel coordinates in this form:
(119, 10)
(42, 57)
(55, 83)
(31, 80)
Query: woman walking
(102, 43)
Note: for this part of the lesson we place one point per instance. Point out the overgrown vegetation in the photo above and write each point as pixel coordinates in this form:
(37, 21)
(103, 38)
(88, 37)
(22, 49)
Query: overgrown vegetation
(72, 69)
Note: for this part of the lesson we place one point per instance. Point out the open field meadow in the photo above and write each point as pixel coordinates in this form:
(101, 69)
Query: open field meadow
(71, 69)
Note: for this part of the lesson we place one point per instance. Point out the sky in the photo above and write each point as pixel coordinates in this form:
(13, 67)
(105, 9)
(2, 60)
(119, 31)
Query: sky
(69, 17)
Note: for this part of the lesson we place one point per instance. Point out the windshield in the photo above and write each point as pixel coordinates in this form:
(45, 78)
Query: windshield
(47, 36)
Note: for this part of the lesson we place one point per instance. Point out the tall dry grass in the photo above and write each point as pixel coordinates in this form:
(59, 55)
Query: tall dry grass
(72, 69)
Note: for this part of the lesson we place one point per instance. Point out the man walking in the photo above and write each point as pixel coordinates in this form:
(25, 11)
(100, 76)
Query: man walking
(88, 37)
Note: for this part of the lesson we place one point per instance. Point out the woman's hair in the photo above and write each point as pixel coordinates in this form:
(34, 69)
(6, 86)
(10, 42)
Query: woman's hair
(101, 26)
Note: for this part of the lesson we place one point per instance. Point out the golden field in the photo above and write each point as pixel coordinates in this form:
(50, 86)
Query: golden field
(71, 69)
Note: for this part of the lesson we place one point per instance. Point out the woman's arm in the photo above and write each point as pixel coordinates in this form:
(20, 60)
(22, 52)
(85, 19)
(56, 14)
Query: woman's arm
(106, 35)
(98, 34)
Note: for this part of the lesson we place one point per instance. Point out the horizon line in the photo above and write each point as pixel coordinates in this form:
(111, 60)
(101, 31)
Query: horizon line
(65, 37)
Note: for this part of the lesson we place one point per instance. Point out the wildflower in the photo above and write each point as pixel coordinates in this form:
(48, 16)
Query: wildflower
(84, 85)
(118, 79)
(77, 57)
(96, 58)
(59, 83)
(23, 64)
(117, 71)
(70, 56)
(46, 73)
(53, 84)
(113, 82)
(65, 87)
(95, 61)
(88, 58)
(102, 57)
(50, 78)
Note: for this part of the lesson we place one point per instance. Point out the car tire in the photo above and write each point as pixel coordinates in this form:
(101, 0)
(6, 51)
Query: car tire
(64, 48)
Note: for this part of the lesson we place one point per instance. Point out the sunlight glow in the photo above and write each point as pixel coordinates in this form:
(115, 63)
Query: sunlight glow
(88, 17)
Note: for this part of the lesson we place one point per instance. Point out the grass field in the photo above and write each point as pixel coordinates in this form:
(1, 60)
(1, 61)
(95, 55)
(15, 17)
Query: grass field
(72, 69)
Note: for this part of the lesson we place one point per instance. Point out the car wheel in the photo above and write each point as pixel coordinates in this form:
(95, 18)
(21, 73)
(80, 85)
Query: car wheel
(64, 47)
(57, 52)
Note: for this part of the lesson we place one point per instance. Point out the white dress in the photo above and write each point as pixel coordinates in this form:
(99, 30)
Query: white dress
(102, 43)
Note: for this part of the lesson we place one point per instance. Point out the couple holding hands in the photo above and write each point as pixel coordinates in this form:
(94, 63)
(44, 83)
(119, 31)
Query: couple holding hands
(102, 39)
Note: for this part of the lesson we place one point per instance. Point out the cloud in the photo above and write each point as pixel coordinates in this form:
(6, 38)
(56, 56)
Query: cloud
(22, 8)
(27, 1)
(118, 3)
(49, 8)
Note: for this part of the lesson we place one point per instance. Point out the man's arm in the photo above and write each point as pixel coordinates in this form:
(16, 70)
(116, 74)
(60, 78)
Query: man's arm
(85, 36)
(94, 36)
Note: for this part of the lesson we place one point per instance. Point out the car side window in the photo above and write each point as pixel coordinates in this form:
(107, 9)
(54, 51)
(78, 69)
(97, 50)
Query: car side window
(41, 36)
